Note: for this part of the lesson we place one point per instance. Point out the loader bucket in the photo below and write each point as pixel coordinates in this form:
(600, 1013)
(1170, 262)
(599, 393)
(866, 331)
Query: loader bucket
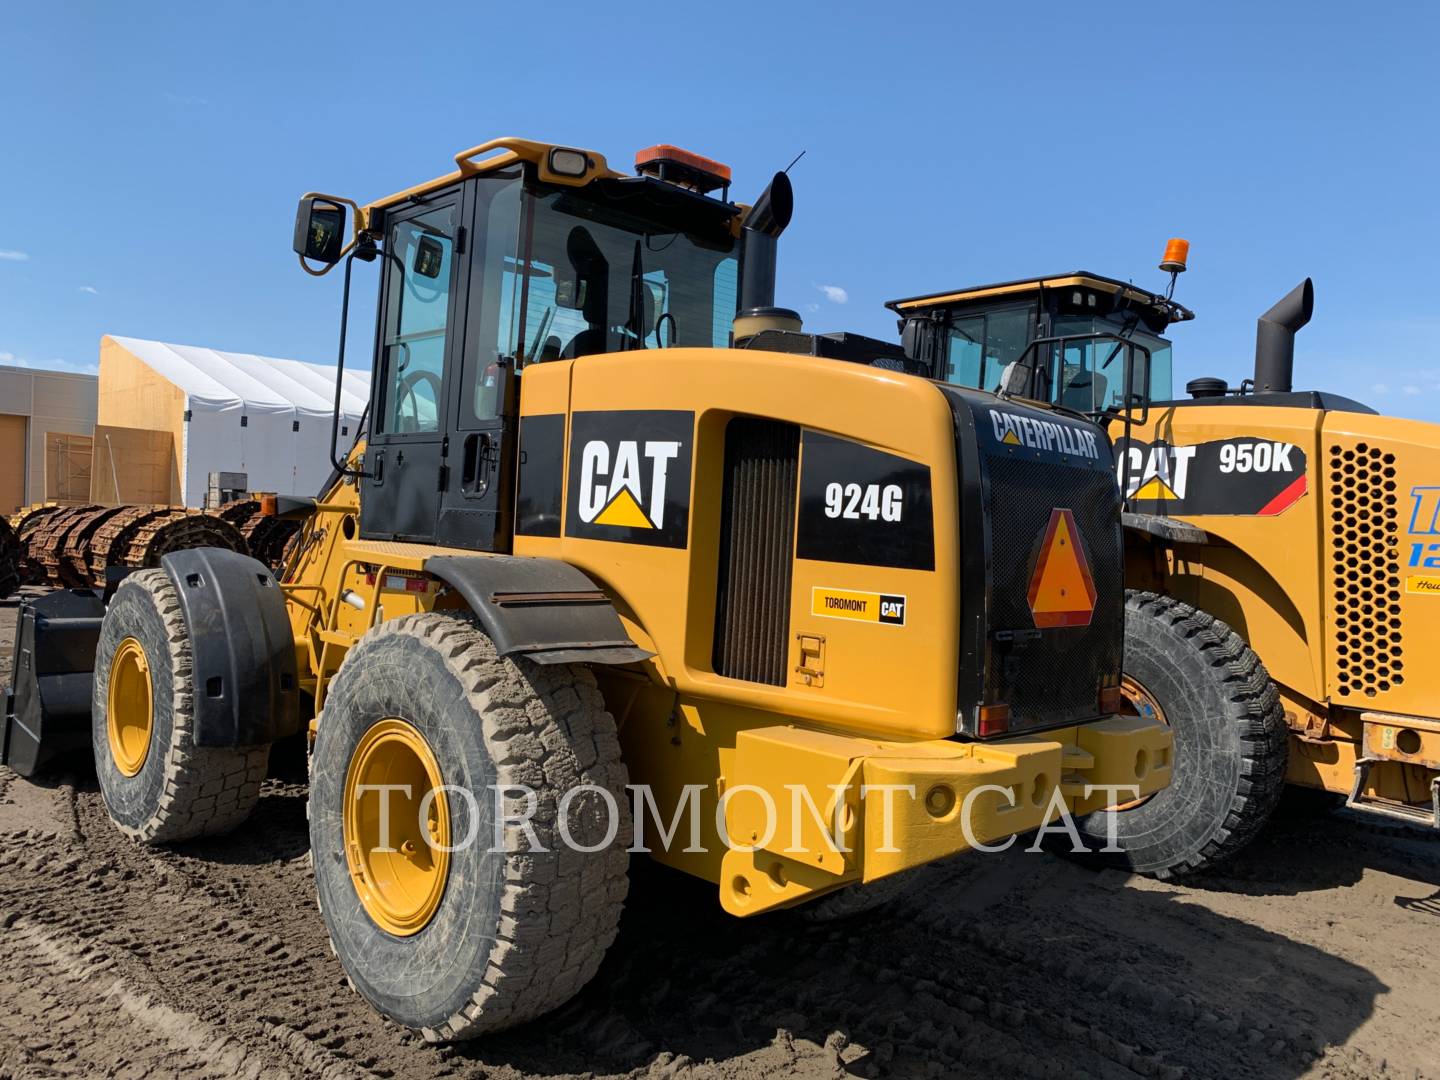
(47, 704)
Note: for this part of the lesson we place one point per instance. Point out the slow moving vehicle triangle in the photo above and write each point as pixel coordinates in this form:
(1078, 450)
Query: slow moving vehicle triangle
(1062, 591)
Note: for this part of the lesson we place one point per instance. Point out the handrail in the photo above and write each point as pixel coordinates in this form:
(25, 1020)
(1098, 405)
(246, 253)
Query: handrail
(512, 149)
(1126, 415)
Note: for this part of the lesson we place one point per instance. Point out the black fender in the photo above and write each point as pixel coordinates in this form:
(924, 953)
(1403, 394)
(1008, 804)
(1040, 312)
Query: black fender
(543, 609)
(246, 688)
(1164, 528)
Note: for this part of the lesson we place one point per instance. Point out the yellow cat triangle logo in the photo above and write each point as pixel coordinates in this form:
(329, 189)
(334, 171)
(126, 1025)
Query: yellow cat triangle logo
(1011, 438)
(624, 511)
(1155, 489)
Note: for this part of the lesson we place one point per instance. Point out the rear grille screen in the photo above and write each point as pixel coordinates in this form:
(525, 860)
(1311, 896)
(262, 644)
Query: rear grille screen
(757, 539)
(1052, 677)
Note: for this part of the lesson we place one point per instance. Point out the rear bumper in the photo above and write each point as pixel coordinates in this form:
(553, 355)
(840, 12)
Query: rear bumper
(882, 807)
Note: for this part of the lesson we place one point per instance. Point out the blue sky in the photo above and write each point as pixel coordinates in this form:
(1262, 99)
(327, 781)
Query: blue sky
(152, 155)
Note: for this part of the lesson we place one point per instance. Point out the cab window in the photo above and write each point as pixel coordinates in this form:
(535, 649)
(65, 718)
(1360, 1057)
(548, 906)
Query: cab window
(979, 347)
(1090, 375)
(598, 279)
(416, 320)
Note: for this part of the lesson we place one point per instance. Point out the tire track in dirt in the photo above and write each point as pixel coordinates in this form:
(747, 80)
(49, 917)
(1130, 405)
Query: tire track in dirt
(1015, 965)
(178, 939)
(205, 1049)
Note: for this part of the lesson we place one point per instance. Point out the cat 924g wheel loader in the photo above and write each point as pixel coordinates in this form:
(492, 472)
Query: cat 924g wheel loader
(610, 573)
(1282, 555)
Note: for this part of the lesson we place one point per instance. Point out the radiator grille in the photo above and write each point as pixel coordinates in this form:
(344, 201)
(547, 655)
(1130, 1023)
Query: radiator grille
(757, 539)
(1365, 565)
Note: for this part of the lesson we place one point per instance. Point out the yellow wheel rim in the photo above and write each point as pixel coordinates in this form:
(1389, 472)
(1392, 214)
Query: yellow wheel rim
(1139, 702)
(129, 708)
(399, 877)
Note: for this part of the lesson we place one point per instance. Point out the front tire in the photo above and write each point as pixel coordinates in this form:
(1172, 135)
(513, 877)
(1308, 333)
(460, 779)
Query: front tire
(1231, 742)
(487, 935)
(158, 786)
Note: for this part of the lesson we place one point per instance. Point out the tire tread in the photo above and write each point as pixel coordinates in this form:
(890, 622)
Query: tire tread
(547, 727)
(207, 789)
(1252, 705)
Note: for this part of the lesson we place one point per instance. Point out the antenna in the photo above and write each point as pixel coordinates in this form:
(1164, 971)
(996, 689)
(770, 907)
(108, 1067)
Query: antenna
(797, 158)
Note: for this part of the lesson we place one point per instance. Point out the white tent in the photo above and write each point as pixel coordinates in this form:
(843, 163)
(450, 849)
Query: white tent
(264, 417)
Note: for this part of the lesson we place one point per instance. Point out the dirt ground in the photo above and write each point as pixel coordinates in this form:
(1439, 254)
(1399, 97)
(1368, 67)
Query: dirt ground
(1311, 956)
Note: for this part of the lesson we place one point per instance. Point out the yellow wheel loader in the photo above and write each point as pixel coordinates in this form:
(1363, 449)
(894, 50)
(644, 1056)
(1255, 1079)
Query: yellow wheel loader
(625, 562)
(1281, 548)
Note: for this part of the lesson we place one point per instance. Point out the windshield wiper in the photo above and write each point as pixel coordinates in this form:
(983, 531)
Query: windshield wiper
(637, 302)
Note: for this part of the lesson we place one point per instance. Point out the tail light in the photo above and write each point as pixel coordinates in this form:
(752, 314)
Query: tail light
(994, 720)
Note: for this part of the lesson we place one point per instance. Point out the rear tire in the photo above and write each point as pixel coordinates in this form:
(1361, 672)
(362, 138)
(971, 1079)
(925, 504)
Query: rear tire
(1231, 742)
(515, 932)
(158, 786)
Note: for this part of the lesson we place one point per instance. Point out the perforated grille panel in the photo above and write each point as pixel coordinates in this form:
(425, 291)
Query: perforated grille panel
(1365, 566)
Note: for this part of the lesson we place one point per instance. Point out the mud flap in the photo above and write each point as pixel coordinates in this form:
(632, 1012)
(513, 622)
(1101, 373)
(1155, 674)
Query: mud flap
(546, 610)
(47, 704)
(247, 692)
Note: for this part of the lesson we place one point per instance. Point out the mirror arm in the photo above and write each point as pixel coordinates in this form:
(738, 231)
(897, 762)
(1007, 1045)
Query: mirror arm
(366, 251)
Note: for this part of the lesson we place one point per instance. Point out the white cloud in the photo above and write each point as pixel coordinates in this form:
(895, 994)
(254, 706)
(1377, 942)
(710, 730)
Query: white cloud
(14, 256)
(1380, 388)
(834, 293)
(1413, 391)
(812, 308)
(186, 99)
(6, 357)
(91, 289)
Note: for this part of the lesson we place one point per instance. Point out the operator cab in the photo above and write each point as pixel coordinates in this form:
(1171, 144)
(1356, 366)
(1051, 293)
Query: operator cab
(1074, 340)
(527, 253)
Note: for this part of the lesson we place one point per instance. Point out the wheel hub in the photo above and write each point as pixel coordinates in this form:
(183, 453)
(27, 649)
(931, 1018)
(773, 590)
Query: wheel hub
(129, 708)
(396, 827)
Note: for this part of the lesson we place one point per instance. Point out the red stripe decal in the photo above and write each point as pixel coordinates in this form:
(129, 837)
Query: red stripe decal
(1285, 499)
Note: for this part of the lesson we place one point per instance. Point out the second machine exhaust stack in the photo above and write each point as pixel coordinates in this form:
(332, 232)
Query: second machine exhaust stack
(1275, 339)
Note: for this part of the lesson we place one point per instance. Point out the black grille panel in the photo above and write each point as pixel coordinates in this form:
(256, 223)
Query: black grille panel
(1051, 677)
(757, 538)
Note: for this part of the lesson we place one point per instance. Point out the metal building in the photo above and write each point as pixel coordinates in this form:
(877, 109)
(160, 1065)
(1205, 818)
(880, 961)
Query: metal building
(47, 419)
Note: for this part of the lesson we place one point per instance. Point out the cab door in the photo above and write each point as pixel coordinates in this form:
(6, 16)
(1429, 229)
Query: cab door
(476, 505)
(417, 350)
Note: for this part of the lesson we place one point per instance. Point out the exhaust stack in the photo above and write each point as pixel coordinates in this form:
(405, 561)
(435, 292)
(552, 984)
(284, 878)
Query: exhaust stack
(759, 236)
(1275, 339)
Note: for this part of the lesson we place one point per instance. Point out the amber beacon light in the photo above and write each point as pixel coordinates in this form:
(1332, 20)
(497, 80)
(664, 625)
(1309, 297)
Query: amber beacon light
(1176, 252)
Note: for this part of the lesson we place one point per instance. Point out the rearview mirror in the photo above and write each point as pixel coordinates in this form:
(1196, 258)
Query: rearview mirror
(429, 257)
(1015, 379)
(319, 230)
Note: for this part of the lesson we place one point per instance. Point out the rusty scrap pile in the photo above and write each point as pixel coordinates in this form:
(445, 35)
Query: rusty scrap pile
(74, 546)
(267, 535)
